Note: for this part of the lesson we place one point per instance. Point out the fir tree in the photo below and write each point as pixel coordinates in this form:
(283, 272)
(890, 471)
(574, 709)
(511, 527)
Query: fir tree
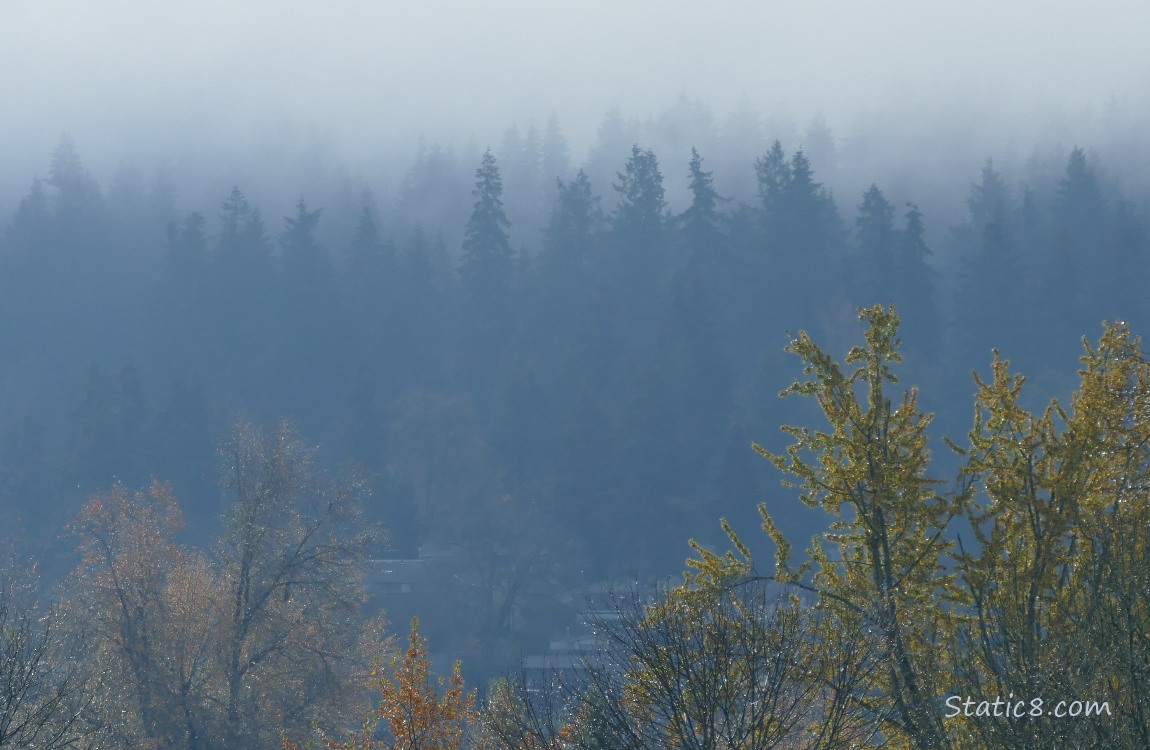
(485, 268)
(875, 248)
(701, 223)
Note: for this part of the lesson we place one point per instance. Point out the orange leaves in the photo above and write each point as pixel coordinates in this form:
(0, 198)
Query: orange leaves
(416, 716)
(412, 712)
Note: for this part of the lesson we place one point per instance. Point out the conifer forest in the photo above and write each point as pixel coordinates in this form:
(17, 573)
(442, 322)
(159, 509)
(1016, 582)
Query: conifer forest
(695, 429)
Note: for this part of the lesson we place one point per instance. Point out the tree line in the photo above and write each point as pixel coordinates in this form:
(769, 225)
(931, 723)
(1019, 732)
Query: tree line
(564, 357)
(556, 413)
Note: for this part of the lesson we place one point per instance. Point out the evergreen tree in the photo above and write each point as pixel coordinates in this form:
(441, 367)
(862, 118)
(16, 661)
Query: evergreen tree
(309, 317)
(875, 241)
(243, 259)
(637, 229)
(639, 217)
(804, 241)
(564, 360)
(991, 303)
(1080, 253)
(370, 281)
(187, 250)
(486, 275)
(1071, 258)
(990, 307)
(914, 280)
(182, 325)
(368, 250)
(75, 262)
(307, 267)
(773, 173)
(574, 220)
(485, 268)
(680, 404)
(245, 328)
(701, 223)
(637, 270)
(27, 270)
(1080, 202)
(78, 201)
(988, 197)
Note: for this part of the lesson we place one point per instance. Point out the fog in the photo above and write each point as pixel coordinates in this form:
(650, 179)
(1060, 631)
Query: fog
(182, 80)
(311, 264)
(323, 100)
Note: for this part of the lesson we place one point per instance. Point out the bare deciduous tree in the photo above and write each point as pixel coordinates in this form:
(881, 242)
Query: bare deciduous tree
(44, 697)
(711, 667)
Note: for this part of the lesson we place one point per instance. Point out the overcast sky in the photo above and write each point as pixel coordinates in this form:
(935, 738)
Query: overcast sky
(138, 74)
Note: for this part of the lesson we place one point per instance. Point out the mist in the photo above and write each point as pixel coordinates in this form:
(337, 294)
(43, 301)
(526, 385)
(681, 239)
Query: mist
(497, 297)
(350, 105)
(250, 84)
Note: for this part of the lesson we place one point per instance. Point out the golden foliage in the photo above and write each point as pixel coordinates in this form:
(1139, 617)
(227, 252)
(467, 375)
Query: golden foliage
(1049, 601)
(415, 711)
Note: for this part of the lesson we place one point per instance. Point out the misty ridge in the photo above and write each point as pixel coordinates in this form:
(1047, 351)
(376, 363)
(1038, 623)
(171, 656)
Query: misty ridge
(575, 321)
(507, 375)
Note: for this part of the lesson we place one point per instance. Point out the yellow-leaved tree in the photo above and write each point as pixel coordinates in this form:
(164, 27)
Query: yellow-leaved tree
(879, 574)
(1054, 594)
(1045, 609)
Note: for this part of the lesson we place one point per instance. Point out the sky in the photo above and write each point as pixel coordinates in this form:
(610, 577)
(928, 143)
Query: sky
(150, 75)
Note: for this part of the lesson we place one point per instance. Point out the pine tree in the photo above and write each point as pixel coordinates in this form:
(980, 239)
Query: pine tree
(243, 252)
(639, 217)
(773, 174)
(181, 323)
(307, 267)
(567, 239)
(805, 244)
(701, 223)
(914, 281)
(875, 241)
(78, 201)
(367, 248)
(485, 268)
(990, 309)
(1080, 253)
(369, 273)
(991, 306)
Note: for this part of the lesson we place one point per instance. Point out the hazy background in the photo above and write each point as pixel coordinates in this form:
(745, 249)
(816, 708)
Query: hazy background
(565, 407)
(251, 82)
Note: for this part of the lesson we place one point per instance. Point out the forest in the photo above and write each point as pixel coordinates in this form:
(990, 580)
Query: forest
(240, 452)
